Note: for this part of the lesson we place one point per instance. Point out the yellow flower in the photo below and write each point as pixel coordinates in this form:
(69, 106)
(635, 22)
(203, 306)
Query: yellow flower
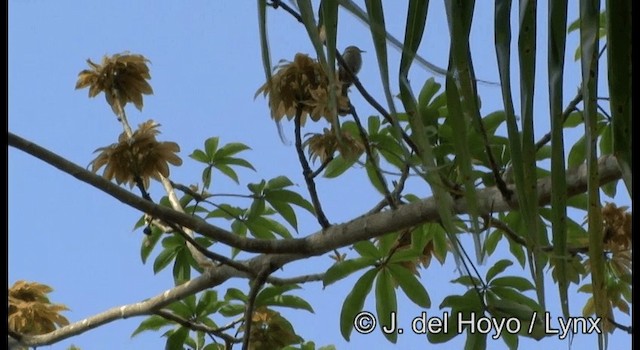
(324, 145)
(302, 84)
(138, 158)
(122, 78)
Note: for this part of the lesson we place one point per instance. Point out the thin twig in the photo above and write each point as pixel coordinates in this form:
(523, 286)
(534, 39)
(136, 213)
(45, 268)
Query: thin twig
(356, 82)
(604, 112)
(257, 284)
(371, 158)
(197, 326)
(628, 329)
(511, 234)
(321, 168)
(306, 172)
(295, 280)
(211, 255)
(399, 187)
(572, 106)
(493, 165)
(173, 199)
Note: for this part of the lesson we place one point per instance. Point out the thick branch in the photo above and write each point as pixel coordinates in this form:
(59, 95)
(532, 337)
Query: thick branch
(208, 279)
(365, 227)
(361, 228)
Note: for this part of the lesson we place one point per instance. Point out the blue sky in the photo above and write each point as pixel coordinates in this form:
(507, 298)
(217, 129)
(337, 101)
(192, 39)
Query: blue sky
(205, 67)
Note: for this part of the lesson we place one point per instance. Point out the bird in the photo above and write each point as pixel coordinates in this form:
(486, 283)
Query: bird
(352, 57)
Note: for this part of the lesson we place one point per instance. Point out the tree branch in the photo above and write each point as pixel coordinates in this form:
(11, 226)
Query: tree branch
(256, 286)
(364, 227)
(356, 82)
(197, 326)
(367, 148)
(361, 228)
(295, 280)
(572, 106)
(308, 174)
(208, 279)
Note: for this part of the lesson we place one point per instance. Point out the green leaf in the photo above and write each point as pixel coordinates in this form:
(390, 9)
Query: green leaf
(386, 303)
(493, 120)
(278, 182)
(288, 196)
(199, 156)
(164, 258)
(270, 292)
(235, 294)
(210, 147)
(214, 346)
(258, 230)
(337, 167)
(230, 149)
(231, 310)
(226, 170)
(618, 26)
(152, 323)
(428, 91)
(410, 285)
(354, 302)
(515, 296)
(491, 242)
(574, 119)
(476, 341)
(445, 334)
(520, 283)
(149, 243)
(468, 281)
(367, 249)
(182, 267)
(403, 255)
(343, 269)
(370, 167)
(497, 268)
(290, 301)
(235, 161)
(181, 309)
(373, 125)
(177, 338)
(208, 303)
(206, 177)
(257, 208)
(286, 212)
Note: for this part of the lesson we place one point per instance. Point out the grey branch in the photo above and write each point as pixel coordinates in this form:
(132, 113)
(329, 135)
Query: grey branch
(364, 227)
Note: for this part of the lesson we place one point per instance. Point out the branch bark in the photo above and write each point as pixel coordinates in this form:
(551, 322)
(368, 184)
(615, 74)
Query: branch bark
(364, 227)
(358, 229)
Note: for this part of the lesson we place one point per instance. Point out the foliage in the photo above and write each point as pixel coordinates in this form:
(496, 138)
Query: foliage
(440, 139)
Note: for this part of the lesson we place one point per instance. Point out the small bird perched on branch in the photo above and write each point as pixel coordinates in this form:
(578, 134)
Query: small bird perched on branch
(352, 56)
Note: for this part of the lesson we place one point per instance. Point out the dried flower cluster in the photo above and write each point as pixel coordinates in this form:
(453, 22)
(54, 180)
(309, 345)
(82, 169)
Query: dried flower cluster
(617, 226)
(122, 78)
(31, 312)
(302, 84)
(270, 330)
(324, 145)
(138, 158)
